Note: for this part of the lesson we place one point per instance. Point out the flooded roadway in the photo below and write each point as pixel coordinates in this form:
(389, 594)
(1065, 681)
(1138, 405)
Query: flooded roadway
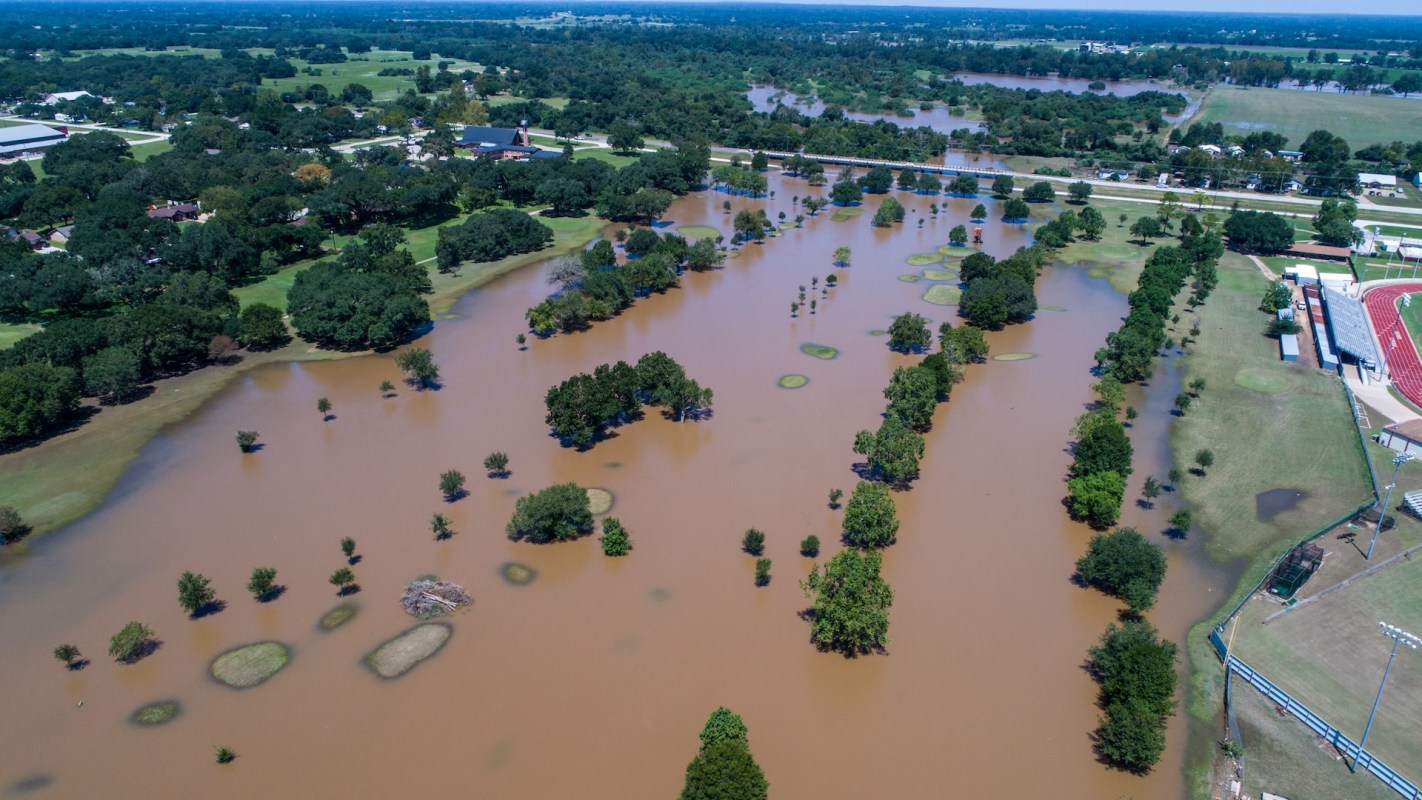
(594, 681)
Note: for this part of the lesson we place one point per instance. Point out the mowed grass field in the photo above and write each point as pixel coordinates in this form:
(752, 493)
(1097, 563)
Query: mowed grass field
(364, 68)
(1270, 424)
(1330, 655)
(1361, 119)
(1286, 759)
(1412, 319)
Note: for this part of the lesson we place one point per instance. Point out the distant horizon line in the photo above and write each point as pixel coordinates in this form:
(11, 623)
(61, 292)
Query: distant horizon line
(1205, 7)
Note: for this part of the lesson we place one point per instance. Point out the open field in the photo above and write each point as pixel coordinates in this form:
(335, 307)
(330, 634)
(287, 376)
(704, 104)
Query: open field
(1283, 757)
(1330, 655)
(205, 52)
(363, 69)
(1302, 436)
(1360, 119)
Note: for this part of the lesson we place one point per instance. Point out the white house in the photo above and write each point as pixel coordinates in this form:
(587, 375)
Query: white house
(1212, 149)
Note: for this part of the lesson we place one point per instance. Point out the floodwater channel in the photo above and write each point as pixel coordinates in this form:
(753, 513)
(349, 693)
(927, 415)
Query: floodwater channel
(594, 680)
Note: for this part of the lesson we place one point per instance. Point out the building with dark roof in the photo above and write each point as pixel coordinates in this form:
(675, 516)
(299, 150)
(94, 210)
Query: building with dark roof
(501, 143)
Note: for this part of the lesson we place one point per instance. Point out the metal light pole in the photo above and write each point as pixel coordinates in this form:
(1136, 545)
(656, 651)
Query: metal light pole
(1398, 636)
(1397, 462)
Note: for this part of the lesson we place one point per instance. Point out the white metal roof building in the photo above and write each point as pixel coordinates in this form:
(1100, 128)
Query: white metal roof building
(32, 138)
(1373, 180)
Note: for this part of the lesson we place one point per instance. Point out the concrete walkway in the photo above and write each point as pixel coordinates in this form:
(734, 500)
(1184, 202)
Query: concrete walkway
(1376, 397)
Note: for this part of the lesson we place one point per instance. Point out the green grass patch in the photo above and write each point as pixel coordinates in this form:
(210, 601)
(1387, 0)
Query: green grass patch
(819, 351)
(1412, 318)
(1258, 436)
(846, 213)
(910, 278)
(517, 574)
(143, 152)
(1261, 381)
(943, 295)
(403, 653)
(1362, 119)
(698, 231)
(11, 332)
(878, 332)
(600, 500)
(1013, 356)
(1330, 655)
(1286, 759)
(924, 259)
(1051, 308)
(247, 666)
(603, 154)
(337, 616)
(940, 275)
(792, 381)
(156, 713)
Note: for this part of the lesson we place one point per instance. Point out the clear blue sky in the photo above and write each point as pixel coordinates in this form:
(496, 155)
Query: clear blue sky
(1385, 7)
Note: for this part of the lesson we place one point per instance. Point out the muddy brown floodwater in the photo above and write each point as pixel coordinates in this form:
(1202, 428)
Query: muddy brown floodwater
(594, 680)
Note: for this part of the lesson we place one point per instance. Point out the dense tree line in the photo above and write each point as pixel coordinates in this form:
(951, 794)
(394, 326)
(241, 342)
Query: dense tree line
(1136, 670)
(581, 408)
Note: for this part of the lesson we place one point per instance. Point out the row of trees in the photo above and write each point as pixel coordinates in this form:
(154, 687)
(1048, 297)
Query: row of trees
(581, 408)
(593, 286)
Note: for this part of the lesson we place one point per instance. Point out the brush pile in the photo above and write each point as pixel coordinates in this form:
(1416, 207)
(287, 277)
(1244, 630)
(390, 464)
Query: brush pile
(426, 598)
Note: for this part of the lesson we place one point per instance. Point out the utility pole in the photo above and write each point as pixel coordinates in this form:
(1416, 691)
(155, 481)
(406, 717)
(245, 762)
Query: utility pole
(1398, 636)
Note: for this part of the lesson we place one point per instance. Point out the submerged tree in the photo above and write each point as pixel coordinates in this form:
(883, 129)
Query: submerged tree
(419, 366)
(262, 582)
(753, 542)
(1125, 565)
(67, 653)
(451, 484)
(851, 603)
(724, 768)
(342, 579)
(615, 541)
(497, 464)
(870, 519)
(246, 439)
(558, 513)
(195, 592)
(131, 642)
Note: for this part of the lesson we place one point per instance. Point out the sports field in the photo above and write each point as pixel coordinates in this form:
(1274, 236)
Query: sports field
(1330, 655)
(1412, 318)
(1359, 118)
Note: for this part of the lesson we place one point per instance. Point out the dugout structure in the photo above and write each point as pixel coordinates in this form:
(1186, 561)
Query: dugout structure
(1295, 570)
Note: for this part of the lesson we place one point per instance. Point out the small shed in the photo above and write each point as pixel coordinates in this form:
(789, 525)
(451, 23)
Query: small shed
(1289, 347)
(1302, 274)
(1285, 313)
(1336, 281)
(1404, 437)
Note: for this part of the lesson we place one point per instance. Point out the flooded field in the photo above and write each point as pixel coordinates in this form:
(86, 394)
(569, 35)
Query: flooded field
(593, 680)
(1056, 83)
(765, 98)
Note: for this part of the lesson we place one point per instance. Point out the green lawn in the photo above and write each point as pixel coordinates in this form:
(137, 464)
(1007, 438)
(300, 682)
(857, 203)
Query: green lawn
(1361, 119)
(603, 154)
(1412, 319)
(143, 152)
(363, 69)
(568, 232)
(11, 332)
(1259, 438)
(1330, 655)
(1285, 758)
(1299, 436)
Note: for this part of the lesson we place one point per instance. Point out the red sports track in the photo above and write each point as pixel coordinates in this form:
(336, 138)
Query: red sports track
(1394, 340)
